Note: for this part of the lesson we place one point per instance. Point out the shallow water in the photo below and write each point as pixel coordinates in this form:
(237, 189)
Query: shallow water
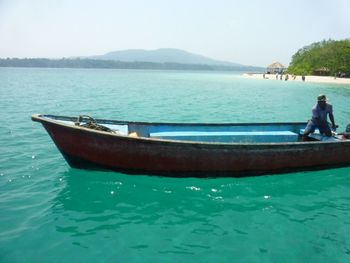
(53, 213)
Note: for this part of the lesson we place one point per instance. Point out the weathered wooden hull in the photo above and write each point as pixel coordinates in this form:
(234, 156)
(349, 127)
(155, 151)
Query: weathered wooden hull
(85, 148)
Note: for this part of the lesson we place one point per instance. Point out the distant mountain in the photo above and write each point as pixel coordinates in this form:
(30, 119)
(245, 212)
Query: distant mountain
(162, 55)
(160, 59)
(111, 64)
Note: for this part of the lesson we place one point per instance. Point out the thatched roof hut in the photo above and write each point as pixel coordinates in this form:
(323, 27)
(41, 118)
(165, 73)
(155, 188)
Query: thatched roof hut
(275, 68)
(323, 71)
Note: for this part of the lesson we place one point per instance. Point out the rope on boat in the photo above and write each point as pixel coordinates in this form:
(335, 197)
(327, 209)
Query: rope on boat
(91, 123)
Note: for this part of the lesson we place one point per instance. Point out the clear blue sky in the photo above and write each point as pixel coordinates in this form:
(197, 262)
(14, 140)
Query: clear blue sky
(248, 32)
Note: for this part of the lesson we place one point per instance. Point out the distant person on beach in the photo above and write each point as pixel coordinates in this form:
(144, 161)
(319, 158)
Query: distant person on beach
(276, 76)
(320, 111)
(303, 78)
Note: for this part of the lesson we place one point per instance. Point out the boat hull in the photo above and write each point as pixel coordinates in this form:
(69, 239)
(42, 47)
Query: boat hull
(89, 149)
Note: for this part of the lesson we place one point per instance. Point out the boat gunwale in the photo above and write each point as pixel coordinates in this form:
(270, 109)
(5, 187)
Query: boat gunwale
(46, 118)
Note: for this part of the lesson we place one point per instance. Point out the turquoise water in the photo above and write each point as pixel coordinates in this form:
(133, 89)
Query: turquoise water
(53, 213)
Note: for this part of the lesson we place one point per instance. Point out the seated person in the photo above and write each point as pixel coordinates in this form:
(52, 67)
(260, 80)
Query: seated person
(319, 118)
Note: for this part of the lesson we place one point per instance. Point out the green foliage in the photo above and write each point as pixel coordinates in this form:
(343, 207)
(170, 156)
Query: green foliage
(328, 57)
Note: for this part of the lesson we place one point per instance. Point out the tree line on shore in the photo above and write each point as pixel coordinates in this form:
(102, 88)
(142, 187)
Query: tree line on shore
(327, 58)
(110, 64)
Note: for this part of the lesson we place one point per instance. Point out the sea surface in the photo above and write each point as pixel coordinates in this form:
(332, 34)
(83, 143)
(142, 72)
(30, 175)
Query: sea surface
(50, 212)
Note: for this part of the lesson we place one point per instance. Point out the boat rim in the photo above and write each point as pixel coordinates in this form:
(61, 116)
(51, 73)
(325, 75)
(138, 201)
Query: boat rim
(44, 118)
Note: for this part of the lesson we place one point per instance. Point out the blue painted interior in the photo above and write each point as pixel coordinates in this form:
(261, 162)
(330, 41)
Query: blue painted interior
(236, 133)
(220, 133)
(228, 133)
(228, 136)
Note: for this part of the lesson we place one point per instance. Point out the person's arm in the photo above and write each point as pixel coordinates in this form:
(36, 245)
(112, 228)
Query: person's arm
(331, 117)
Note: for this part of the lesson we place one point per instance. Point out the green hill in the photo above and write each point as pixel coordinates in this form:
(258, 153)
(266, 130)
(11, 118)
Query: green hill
(328, 58)
(162, 55)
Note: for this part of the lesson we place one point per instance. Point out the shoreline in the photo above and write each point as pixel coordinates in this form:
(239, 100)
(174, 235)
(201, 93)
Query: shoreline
(309, 78)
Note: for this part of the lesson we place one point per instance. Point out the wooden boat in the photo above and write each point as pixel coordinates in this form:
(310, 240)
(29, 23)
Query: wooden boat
(187, 149)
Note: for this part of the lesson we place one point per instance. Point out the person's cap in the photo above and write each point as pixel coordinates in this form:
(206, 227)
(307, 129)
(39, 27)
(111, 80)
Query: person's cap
(321, 98)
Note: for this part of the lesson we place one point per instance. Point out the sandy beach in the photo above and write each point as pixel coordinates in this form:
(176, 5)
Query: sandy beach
(316, 79)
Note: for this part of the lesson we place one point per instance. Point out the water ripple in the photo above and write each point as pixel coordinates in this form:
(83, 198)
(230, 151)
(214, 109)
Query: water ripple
(47, 205)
